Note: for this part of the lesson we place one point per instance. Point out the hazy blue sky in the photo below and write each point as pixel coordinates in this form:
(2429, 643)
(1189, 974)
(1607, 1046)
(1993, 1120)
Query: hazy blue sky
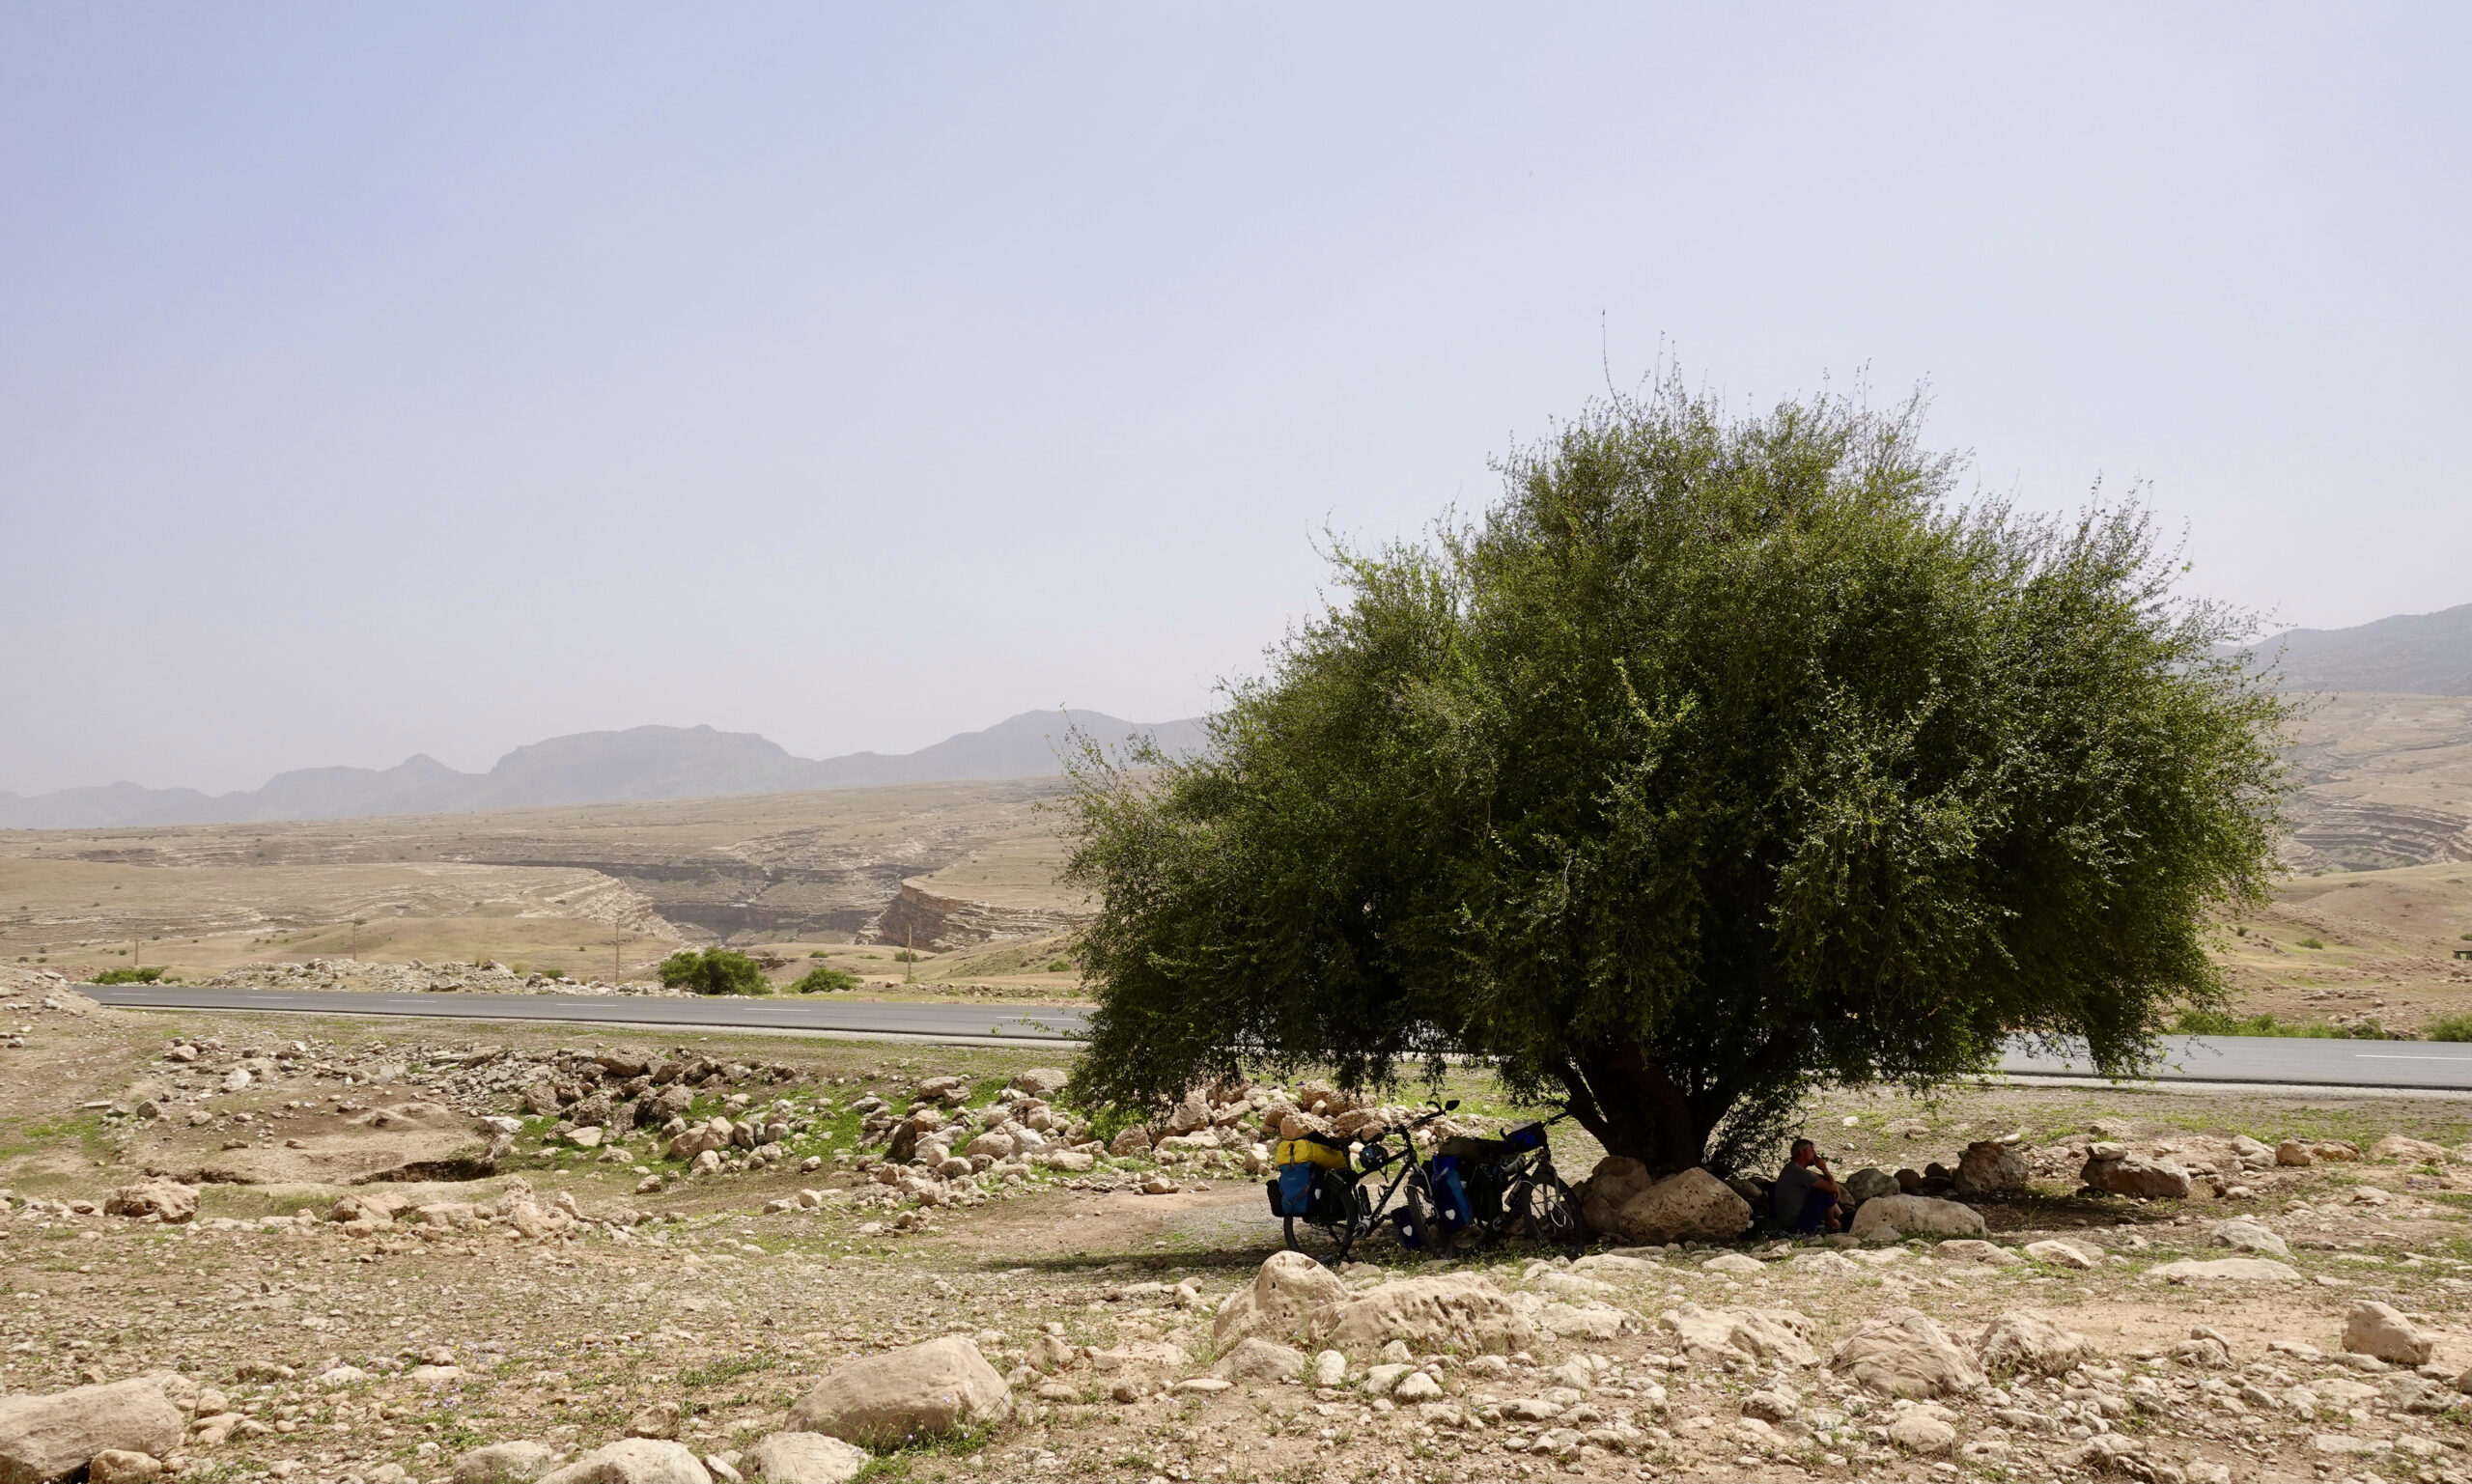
(388, 378)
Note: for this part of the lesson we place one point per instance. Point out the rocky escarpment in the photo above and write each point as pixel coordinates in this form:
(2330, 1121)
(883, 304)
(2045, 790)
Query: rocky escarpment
(919, 918)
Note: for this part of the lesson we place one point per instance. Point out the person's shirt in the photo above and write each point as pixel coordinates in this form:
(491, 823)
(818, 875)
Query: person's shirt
(1792, 1191)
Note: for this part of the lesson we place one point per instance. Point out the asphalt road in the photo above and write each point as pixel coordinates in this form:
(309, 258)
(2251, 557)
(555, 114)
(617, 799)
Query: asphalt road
(954, 1022)
(2260, 1059)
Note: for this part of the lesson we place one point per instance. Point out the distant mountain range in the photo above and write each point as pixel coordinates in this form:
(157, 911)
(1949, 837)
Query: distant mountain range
(641, 763)
(2415, 653)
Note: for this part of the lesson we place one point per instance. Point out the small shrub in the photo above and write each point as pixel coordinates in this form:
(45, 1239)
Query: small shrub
(817, 954)
(714, 971)
(905, 956)
(2450, 1028)
(2311, 943)
(129, 976)
(824, 981)
(553, 973)
(1060, 966)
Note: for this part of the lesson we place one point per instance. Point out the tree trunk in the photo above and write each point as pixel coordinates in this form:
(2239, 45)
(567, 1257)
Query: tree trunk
(1627, 1099)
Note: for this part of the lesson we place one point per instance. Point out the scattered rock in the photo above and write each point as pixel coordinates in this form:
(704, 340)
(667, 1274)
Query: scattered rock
(2030, 1343)
(2063, 1255)
(1712, 1337)
(1987, 1170)
(46, 1438)
(505, 1463)
(1735, 1263)
(1040, 1081)
(166, 1201)
(1461, 1311)
(2412, 1151)
(1871, 1184)
(2375, 1328)
(1621, 1202)
(805, 1458)
(657, 1420)
(1974, 1251)
(942, 1386)
(1255, 1358)
(2293, 1153)
(1892, 1217)
(633, 1461)
(1904, 1353)
(1920, 1430)
(2233, 1270)
(1329, 1368)
(1417, 1387)
(2133, 1174)
(2249, 1237)
(118, 1466)
(1286, 1292)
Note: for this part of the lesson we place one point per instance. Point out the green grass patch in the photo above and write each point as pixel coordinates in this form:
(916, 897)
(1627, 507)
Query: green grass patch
(148, 975)
(2311, 943)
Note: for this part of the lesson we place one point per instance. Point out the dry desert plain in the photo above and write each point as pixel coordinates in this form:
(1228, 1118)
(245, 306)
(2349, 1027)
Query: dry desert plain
(378, 1283)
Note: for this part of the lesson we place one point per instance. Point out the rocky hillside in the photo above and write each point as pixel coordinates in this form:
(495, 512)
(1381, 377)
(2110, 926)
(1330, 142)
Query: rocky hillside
(641, 763)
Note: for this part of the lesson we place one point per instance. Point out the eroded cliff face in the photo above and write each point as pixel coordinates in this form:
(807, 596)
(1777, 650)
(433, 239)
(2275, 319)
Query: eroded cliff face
(2385, 781)
(919, 918)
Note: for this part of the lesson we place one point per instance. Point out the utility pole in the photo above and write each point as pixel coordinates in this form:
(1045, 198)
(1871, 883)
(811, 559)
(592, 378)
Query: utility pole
(615, 933)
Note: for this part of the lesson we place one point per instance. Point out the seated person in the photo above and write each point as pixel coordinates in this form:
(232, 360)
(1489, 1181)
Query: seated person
(1804, 1197)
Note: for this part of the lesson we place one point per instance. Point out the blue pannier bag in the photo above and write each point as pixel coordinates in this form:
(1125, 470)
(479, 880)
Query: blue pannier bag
(1527, 1135)
(1450, 1195)
(1292, 1193)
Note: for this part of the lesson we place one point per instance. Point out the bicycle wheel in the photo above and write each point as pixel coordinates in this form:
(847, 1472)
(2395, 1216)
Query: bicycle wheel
(1553, 1219)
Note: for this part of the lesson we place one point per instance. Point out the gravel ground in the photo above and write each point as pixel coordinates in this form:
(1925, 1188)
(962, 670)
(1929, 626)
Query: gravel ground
(624, 1282)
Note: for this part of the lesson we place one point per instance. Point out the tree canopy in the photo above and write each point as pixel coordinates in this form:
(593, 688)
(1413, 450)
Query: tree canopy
(1723, 755)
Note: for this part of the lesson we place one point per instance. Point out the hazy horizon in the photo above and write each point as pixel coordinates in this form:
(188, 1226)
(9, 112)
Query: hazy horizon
(441, 381)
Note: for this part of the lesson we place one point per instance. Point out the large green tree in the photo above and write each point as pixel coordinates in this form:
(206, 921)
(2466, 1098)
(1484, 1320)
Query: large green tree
(1725, 754)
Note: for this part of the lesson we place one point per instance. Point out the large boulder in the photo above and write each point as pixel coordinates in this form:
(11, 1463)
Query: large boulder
(1869, 1184)
(633, 1461)
(1461, 1311)
(2375, 1328)
(44, 1437)
(2134, 1174)
(1987, 1170)
(1623, 1202)
(1904, 1353)
(1283, 1295)
(804, 1458)
(1711, 1337)
(505, 1463)
(165, 1200)
(1039, 1081)
(2027, 1342)
(1892, 1217)
(926, 1391)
